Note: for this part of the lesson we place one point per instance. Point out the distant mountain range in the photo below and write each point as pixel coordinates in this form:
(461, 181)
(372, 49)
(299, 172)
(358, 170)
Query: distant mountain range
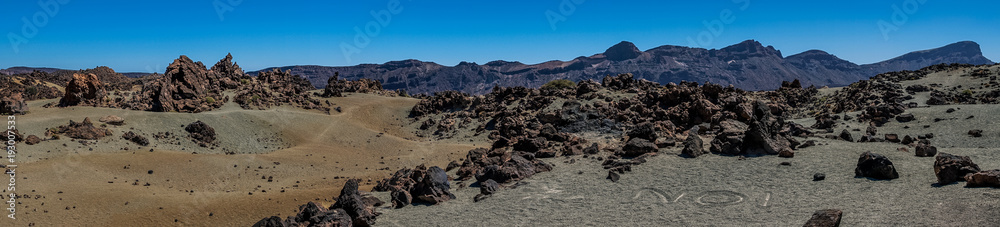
(748, 65)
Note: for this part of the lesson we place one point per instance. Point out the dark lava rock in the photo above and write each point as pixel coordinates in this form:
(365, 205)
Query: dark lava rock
(824, 121)
(433, 188)
(136, 138)
(819, 177)
(875, 166)
(951, 168)
(976, 133)
(845, 135)
(400, 197)
(825, 218)
(988, 178)
(452, 165)
(907, 140)
(201, 132)
(905, 117)
(786, 153)
(892, 138)
(488, 187)
(613, 176)
(32, 140)
(350, 200)
(808, 143)
(693, 145)
(925, 150)
(638, 146)
(84, 89)
(310, 214)
(83, 130)
(950, 110)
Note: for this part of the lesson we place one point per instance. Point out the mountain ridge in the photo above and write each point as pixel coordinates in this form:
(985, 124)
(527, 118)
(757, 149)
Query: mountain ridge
(748, 65)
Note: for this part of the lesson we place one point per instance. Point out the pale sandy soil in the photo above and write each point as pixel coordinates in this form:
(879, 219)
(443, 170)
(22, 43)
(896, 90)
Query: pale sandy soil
(309, 154)
(717, 190)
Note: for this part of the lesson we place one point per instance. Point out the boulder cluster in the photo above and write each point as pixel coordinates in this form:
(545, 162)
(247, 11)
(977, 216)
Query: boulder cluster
(527, 124)
(418, 185)
(351, 209)
(952, 168)
(189, 87)
(336, 87)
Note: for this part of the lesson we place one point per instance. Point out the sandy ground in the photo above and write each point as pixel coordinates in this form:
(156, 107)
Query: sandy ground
(717, 190)
(307, 154)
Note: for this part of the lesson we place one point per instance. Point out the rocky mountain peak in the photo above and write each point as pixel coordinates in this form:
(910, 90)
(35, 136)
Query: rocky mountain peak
(624, 50)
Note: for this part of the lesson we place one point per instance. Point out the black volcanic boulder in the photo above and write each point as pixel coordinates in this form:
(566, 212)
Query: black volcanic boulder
(13, 104)
(515, 169)
(350, 200)
(875, 166)
(84, 89)
(273, 221)
(201, 132)
(988, 178)
(846, 135)
(587, 86)
(400, 197)
(925, 150)
(83, 130)
(825, 218)
(136, 138)
(824, 121)
(433, 188)
(951, 168)
(976, 133)
(905, 117)
(638, 146)
(693, 145)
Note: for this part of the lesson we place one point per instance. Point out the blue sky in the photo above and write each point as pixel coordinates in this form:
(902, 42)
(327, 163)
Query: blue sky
(145, 36)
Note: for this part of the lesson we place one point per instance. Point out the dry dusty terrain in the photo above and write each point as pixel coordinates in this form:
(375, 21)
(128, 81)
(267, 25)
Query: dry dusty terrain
(307, 155)
(715, 190)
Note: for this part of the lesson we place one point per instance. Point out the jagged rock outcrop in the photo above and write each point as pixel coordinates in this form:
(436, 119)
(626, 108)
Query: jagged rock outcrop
(231, 76)
(187, 87)
(84, 89)
(351, 201)
(83, 130)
